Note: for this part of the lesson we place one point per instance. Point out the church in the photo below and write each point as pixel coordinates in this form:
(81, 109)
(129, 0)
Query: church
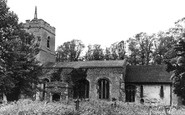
(97, 80)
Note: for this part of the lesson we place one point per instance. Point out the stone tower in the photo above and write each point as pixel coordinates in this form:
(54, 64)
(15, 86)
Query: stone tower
(44, 35)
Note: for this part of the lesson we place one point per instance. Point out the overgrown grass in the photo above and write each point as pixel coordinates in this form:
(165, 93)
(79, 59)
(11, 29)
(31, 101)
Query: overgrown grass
(29, 107)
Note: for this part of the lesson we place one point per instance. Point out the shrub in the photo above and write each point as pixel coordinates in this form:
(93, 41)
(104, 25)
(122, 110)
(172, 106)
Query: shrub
(93, 107)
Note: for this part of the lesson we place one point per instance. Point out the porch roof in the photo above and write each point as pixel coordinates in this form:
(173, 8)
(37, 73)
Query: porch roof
(147, 74)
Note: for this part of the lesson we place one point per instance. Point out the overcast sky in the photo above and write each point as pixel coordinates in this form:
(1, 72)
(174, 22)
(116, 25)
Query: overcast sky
(101, 21)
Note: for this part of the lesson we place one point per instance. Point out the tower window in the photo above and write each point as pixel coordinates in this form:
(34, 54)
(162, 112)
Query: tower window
(48, 42)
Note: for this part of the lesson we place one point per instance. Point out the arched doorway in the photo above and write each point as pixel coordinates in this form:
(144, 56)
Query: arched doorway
(56, 97)
(103, 88)
(81, 89)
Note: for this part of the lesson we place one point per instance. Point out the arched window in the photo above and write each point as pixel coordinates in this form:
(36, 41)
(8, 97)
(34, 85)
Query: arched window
(130, 93)
(81, 89)
(48, 42)
(103, 88)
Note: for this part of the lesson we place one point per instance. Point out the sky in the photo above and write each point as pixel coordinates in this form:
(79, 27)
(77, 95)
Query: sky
(101, 22)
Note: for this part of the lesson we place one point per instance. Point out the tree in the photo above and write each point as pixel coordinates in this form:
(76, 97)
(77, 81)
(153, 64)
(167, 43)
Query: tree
(116, 51)
(107, 55)
(94, 52)
(19, 69)
(70, 51)
(178, 69)
(141, 48)
(133, 58)
(177, 53)
(162, 47)
(121, 50)
(178, 29)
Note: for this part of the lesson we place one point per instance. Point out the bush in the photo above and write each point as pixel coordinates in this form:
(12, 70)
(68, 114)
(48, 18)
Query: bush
(29, 107)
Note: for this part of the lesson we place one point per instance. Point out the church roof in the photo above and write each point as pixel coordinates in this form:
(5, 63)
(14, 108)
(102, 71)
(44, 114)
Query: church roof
(88, 64)
(147, 74)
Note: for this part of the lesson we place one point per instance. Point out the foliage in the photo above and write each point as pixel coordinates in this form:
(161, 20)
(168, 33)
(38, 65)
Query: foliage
(19, 69)
(140, 47)
(162, 47)
(178, 67)
(107, 55)
(134, 55)
(116, 51)
(94, 52)
(30, 107)
(70, 51)
(178, 29)
(179, 70)
(56, 75)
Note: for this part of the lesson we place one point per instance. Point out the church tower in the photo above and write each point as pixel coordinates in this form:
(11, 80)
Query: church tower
(44, 35)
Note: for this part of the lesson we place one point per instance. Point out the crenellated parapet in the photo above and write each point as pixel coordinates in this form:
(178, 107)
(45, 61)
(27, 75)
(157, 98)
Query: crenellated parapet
(39, 23)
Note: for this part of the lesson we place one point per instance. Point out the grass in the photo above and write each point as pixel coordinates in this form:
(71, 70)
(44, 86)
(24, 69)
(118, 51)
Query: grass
(29, 107)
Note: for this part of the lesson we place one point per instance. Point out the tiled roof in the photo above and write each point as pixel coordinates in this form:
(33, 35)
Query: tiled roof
(147, 74)
(89, 64)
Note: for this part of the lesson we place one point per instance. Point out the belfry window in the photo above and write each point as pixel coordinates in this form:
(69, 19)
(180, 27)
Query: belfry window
(48, 42)
(130, 93)
(103, 89)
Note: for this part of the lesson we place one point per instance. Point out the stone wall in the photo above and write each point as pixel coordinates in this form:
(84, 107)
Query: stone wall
(115, 77)
(45, 56)
(151, 94)
(42, 30)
